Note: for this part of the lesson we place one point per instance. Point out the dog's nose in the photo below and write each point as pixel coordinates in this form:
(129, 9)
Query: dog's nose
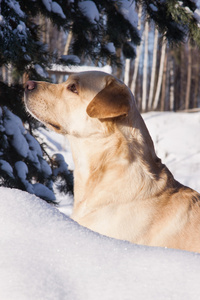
(30, 85)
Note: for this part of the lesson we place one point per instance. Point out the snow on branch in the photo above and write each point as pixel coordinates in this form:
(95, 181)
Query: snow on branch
(89, 9)
(54, 7)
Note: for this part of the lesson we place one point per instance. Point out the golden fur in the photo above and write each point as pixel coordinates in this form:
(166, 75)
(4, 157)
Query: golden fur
(122, 189)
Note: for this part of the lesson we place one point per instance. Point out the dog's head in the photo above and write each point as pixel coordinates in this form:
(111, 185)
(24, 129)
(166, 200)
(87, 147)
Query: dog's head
(79, 105)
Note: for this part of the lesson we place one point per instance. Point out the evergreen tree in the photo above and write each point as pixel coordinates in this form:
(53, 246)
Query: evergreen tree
(95, 25)
(20, 43)
(22, 164)
(21, 159)
(177, 20)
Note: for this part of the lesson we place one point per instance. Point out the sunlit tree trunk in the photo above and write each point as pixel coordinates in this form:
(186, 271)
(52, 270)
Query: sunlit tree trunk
(4, 73)
(153, 70)
(171, 83)
(138, 53)
(145, 68)
(127, 71)
(164, 83)
(196, 83)
(160, 75)
(189, 75)
(68, 43)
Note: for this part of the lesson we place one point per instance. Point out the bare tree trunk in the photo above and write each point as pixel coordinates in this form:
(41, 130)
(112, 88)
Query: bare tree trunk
(196, 84)
(119, 71)
(163, 94)
(160, 75)
(48, 29)
(68, 42)
(138, 53)
(145, 68)
(4, 73)
(153, 70)
(10, 80)
(127, 71)
(189, 75)
(181, 100)
(171, 89)
(42, 25)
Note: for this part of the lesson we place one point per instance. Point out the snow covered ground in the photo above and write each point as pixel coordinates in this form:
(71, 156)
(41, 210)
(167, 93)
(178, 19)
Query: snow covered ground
(176, 138)
(45, 255)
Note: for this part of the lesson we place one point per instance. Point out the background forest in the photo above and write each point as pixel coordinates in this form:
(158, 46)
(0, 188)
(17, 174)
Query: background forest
(152, 45)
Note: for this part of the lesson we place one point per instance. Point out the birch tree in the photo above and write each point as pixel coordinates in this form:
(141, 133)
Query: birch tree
(138, 52)
(160, 75)
(171, 88)
(153, 70)
(145, 67)
(164, 83)
(196, 84)
(189, 74)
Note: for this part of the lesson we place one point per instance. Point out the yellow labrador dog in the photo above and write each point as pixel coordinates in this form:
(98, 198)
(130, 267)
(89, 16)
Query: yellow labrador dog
(122, 189)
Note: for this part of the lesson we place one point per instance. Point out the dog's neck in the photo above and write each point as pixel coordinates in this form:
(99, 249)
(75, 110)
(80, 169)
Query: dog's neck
(128, 153)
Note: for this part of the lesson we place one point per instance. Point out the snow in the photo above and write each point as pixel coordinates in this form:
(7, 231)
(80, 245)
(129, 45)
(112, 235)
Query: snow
(196, 13)
(177, 143)
(37, 188)
(6, 167)
(40, 71)
(75, 69)
(62, 166)
(127, 9)
(153, 7)
(21, 31)
(14, 17)
(73, 58)
(16, 7)
(110, 47)
(47, 4)
(45, 255)
(54, 7)
(14, 128)
(89, 9)
(22, 171)
(41, 190)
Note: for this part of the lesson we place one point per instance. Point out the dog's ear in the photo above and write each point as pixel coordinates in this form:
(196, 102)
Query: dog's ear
(112, 101)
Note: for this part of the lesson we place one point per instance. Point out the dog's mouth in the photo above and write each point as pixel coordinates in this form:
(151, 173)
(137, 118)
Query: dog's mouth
(55, 126)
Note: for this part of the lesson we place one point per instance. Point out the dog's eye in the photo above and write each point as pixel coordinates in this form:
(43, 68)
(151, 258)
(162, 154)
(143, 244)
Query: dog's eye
(72, 88)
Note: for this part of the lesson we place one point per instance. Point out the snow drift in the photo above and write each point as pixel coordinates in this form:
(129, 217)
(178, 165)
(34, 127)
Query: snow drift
(45, 255)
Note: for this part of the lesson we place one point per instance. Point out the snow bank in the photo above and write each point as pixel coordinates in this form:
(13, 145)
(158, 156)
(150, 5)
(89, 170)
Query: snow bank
(177, 143)
(45, 255)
